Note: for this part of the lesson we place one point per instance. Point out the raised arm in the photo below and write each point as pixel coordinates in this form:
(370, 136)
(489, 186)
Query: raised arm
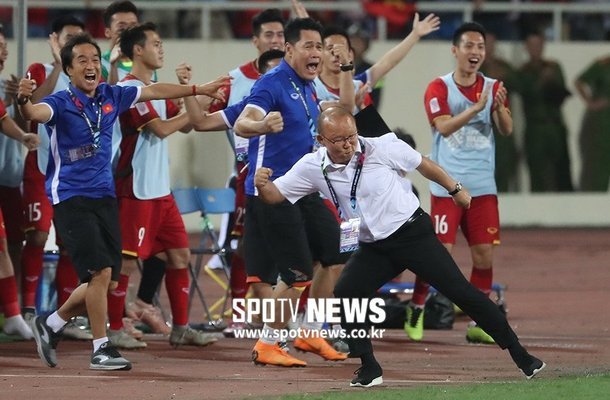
(390, 59)
(267, 190)
(115, 55)
(299, 9)
(197, 106)
(434, 172)
(173, 91)
(347, 92)
(46, 88)
(33, 112)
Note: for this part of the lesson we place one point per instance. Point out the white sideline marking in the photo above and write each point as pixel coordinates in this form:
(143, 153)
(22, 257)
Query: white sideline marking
(392, 381)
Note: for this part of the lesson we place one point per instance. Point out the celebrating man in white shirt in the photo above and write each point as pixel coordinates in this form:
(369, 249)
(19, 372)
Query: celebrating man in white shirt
(362, 177)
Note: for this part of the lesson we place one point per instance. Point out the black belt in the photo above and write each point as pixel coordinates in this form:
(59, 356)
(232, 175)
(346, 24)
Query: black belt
(418, 213)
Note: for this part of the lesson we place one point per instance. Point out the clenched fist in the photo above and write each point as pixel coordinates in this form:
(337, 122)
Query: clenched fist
(262, 176)
(274, 122)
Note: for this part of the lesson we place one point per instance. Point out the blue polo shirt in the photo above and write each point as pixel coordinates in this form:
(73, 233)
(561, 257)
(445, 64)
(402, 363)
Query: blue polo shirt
(232, 112)
(275, 91)
(69, 133)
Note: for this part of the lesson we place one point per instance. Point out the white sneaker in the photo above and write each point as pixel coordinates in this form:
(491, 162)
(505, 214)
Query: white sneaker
(16, 325)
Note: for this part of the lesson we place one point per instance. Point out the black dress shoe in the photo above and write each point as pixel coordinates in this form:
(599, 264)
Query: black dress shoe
(532, 368)
(367, 376)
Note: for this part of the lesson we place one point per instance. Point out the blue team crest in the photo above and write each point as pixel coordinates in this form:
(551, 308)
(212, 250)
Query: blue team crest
(295, 96)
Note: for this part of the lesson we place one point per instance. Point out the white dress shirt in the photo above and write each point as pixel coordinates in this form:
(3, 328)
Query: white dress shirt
(383, 201)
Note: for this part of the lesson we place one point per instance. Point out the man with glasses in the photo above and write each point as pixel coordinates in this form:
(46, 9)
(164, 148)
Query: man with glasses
(363, 177)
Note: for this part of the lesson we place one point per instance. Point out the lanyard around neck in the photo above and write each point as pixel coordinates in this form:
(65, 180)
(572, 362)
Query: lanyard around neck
(298, 90)
(311, 123)
(355, 180)
(95, 130)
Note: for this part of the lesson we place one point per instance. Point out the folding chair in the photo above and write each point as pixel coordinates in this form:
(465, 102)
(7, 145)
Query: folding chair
(207, 201)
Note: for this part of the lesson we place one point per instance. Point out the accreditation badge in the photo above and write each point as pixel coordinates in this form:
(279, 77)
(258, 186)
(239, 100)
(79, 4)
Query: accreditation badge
(82, 152)
(350, 231)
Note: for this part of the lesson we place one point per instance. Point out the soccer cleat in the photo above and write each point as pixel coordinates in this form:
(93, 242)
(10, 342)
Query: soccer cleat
(148, 314)
(121, 339)
(46, 340)
(339, 344)
(367, 376)
(229, 331)
(107, 358)
(16, 325)
(533, 367)
(189, 336)
(320, 347)
(131, 330)
(414, 325)
(282, 344)
(77, 329)
(474, 334)
(272, 354)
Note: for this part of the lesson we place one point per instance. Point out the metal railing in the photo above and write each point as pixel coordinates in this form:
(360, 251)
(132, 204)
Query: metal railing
(557, 10)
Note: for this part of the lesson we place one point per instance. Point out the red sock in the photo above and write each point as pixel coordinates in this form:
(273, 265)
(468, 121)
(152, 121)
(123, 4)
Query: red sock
(66, 279)
(482, 279)
(420, 291)
(8, 296)
(239, 286)
(116, 303)
(31, 267)
(177, 284)
(303, 299)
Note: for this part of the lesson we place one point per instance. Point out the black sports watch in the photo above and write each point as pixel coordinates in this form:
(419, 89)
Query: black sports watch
(458, 187)
(346, 67)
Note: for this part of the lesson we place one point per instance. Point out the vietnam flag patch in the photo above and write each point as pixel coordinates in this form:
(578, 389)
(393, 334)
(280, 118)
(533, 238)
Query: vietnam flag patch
(107, 108)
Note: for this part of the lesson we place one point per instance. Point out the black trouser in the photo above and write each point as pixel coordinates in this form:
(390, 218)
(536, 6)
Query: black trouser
(415, 246)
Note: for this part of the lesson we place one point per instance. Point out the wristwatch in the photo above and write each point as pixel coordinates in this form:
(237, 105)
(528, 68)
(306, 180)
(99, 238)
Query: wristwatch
(346, 67)
(22, 100)
(458, 187)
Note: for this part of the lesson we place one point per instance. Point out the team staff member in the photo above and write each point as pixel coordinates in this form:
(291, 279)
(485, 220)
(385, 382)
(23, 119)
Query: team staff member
(267, 34)
(280, 118)
(79, 184)
(363, 177)
(462, 108)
